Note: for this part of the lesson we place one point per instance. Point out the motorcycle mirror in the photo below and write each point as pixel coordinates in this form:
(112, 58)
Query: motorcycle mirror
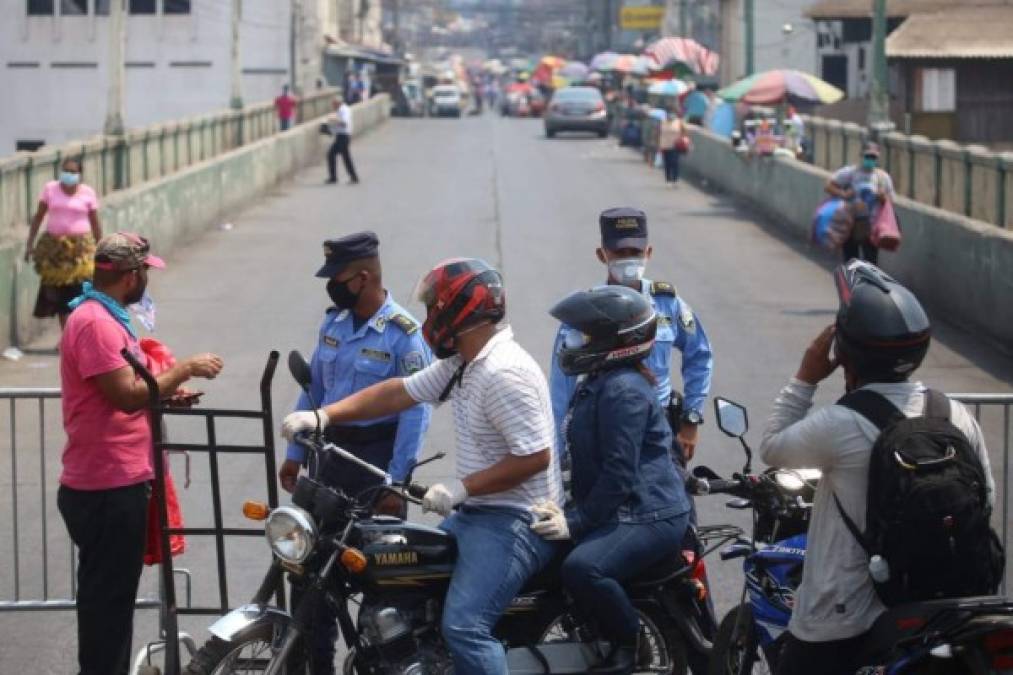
(300, 369)
(705, 472)
(732, 417)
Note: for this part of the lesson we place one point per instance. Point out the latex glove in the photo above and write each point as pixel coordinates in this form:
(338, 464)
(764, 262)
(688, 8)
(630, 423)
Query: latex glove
(302, 420)
(443, 498)
(551, 523)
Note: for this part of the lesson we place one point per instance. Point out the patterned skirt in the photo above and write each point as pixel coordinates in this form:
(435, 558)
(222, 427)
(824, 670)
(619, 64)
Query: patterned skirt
(63, 264)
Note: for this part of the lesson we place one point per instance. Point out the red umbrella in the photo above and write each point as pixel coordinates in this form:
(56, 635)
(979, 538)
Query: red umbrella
(683, 54)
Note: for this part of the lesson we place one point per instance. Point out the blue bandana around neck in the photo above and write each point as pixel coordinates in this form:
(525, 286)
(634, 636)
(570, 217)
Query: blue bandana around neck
(118, 311)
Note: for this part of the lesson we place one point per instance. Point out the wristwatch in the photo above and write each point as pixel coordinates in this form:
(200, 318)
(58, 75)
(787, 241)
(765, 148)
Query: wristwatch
(692, 417)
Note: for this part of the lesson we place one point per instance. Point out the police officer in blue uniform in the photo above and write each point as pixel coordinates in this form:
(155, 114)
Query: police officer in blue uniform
(366, 337)
(624, 249)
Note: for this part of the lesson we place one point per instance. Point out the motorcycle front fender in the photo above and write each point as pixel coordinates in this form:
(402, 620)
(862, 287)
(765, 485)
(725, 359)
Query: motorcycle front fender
(241, 620)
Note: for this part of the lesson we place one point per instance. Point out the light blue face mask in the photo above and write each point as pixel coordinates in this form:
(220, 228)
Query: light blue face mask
(868, 163)
(69, 178)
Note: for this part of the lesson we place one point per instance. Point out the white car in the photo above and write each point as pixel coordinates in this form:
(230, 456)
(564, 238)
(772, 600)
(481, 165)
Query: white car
(446, 101)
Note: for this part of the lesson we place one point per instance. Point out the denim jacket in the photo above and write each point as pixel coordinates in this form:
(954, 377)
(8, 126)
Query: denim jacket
(621, 469)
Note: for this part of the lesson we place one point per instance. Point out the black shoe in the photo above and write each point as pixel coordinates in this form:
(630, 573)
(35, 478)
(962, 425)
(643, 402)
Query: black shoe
(355, 181)
(620, 661)
(331, 181)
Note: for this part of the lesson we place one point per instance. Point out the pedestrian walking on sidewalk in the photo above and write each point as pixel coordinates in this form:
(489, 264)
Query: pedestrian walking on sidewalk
(285, 105)
(341, 128)
(107, 461)
(865, 187)
(63, 253)
(674, 142)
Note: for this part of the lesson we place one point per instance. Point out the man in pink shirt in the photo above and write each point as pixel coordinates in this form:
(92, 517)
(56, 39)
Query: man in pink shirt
(107, 462)
(285, 107)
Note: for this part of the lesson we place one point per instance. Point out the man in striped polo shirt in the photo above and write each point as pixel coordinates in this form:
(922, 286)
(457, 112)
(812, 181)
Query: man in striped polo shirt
(505, 461)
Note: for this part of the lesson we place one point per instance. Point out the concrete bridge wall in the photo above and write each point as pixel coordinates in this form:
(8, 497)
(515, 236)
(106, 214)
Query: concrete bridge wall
(203, 173)
(962, 268)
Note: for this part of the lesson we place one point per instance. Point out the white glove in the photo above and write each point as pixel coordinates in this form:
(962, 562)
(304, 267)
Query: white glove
(443, 498)
(551, 523)
(302, 420)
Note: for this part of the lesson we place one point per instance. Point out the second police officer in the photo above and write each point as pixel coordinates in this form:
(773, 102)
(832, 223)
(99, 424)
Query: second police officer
(366, 337)
(625, 251)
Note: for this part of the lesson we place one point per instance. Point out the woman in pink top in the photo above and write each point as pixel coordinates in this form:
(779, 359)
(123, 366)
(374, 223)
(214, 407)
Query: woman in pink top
(64, 253)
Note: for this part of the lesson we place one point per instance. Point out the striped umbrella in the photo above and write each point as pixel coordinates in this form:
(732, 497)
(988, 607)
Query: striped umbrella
(682, 55)
(780, 86)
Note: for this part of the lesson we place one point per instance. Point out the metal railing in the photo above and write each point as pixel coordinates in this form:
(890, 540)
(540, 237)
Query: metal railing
(18, 501)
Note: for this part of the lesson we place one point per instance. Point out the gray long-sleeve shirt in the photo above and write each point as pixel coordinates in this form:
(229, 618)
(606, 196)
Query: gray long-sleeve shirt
(836, 599)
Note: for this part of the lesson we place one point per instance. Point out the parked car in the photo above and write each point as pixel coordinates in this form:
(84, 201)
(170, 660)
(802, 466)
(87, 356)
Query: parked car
(576, 109)
(446, 101)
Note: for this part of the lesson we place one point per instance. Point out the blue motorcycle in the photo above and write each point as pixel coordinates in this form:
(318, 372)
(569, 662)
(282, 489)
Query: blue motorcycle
(750, 635)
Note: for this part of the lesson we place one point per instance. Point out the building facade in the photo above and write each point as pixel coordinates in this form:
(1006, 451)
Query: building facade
(54, 59)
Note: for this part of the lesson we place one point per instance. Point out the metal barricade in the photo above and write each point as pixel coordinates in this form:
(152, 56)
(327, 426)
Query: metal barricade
(980, 403)
(51, 600)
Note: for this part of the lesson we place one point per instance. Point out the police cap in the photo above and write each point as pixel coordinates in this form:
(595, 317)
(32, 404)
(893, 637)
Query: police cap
(338, 253)
(623, 227)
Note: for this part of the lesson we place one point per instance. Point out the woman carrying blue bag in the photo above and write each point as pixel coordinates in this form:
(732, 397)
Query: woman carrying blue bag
(629, 508)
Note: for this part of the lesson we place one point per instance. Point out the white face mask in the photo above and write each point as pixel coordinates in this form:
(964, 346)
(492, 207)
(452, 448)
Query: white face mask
(627, 271)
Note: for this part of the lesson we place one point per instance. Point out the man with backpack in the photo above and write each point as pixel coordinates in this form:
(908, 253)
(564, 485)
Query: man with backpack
(901, 512)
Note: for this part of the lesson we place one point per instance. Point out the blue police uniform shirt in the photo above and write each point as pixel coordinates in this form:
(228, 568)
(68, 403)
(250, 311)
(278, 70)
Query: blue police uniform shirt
(678, 328)
(347, 360)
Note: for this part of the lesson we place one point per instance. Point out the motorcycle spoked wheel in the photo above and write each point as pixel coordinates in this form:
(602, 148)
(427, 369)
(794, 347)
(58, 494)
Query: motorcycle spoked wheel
(222, 657)
(661, 648)
(737, 652)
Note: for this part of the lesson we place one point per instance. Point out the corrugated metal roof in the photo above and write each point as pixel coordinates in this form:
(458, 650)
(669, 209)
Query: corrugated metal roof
(965, 32)
(857, 9)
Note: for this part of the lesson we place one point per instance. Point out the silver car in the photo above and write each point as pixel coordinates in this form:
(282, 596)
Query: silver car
(576, 109)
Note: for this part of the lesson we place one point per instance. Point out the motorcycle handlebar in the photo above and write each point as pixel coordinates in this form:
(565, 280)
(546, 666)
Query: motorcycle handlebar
(304, 439)
(415, 490)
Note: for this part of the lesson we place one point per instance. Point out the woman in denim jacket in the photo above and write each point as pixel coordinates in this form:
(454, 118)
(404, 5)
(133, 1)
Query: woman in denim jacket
(629, 507)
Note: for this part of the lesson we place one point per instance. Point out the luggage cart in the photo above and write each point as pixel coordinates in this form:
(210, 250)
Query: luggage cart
(170, 636)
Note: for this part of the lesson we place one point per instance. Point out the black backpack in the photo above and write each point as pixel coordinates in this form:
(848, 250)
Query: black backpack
(927, 517)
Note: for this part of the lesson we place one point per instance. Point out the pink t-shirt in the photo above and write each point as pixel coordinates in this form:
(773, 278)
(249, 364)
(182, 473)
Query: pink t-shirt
(106, 448)
(285, 105)
(68, 214)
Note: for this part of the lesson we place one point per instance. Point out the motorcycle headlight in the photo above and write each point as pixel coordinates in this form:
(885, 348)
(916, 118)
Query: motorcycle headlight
(291, 533)
(796, 479)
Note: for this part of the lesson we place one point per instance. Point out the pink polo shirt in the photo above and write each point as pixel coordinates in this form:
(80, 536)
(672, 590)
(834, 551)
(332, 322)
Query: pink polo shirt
(68, 214)
(106, 448)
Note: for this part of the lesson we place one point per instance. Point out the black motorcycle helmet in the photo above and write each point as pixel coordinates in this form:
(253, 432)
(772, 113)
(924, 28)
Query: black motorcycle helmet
(609, 326)
(882, 331)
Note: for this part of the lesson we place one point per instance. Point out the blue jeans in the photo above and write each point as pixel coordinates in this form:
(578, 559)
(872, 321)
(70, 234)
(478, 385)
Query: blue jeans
(594, 572)
(497, 552)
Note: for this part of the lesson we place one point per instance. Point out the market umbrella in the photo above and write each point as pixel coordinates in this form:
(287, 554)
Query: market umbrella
(683, 55)
(603, 61)
(781, 86)
(575, 71)
(668, 88)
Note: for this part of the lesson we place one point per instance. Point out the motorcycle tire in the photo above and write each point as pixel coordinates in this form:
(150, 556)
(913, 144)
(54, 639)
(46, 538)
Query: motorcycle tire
(661, 632)
(213, 657)
(739, 654)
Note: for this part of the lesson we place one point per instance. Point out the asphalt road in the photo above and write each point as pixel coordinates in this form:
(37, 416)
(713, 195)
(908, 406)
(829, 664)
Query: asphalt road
(433, 189)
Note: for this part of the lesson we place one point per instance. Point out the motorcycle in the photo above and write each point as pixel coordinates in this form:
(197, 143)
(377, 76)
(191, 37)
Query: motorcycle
(751, 634)
(957, 636)
(398, 573)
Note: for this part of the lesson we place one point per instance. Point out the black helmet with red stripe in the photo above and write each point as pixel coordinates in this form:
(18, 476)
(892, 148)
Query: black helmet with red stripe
(458, 294)
(882, 332)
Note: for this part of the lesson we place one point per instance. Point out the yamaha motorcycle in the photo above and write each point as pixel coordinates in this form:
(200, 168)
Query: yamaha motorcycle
(397, 574)
(959, 636)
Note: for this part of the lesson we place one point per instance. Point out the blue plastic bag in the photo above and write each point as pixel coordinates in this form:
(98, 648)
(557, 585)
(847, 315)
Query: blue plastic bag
(832, 224)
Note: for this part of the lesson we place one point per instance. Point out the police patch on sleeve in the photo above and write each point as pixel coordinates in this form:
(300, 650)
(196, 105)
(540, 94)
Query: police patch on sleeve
(412, 362)
(686, 318)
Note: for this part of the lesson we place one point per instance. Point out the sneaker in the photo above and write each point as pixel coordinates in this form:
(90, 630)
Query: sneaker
(330, 181)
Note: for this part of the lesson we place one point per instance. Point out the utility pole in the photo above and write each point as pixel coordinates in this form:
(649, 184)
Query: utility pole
(236, 99)
(879, 98)
(750, 37)
(684, 18)
(293, 47)
(117, 69)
